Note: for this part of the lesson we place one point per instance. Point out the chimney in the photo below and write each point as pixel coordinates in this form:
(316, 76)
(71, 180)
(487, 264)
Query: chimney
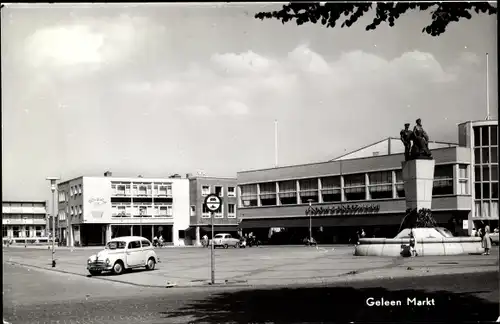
(108, 174)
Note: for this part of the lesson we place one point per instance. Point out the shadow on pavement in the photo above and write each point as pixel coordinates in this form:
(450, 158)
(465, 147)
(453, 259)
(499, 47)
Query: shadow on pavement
(331, 304)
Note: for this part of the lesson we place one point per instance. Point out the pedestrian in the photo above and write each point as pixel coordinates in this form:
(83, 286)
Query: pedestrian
(363, 234)
(413, 245)
(205, 240)
(486, 240)
(495, 230)
(479, 232)
(155, 241)
(473, 232)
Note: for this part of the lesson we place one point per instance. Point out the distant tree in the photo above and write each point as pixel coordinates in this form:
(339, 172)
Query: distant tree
(328, 14)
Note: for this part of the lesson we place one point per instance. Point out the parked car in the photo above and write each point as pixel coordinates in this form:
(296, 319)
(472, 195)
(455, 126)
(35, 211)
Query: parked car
(225, 240)
(494, 238)
(121, 253)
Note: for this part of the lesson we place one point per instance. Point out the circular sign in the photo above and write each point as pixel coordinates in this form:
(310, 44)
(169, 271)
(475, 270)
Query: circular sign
(213, 202)
(160, 229)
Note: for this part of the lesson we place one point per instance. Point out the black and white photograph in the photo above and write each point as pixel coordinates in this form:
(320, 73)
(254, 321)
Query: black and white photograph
(250, 162)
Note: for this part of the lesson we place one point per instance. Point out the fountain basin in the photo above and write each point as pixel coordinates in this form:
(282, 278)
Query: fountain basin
(425, 246)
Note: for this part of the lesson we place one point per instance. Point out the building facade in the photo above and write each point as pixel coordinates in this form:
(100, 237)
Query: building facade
(481, 139)
(24, 219)
(364, 189)
(225, 221)
(92, 210)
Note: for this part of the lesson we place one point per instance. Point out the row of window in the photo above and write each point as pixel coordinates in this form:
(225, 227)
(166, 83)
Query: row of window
(74, 191)
(488, 208)
(375, 185)
(231, 211)
(22, 231)
(218, 190)
(486, 155)
(142, 211)
(141, 189)
(485, 135)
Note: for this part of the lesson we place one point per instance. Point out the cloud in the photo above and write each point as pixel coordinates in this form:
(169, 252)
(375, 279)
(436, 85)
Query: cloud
(248, 82)
(470, 58)
(89, 44)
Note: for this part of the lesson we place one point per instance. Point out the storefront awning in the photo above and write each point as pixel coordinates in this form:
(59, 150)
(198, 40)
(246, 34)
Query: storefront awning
(342, 221)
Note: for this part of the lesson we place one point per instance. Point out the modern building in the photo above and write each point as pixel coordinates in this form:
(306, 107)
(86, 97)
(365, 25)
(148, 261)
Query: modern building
(92, 210)
(481, 140)
(225, 220)
(364, 189)
(24, 219)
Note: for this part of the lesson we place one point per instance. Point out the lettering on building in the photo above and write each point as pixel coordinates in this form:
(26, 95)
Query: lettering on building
(98, 201)
(343, 210)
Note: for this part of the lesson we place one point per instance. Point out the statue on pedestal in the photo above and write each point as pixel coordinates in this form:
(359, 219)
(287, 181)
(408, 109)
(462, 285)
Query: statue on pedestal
(420, 139)
(405, 136)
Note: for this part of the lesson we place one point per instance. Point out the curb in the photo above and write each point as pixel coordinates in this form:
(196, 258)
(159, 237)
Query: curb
(349, 276)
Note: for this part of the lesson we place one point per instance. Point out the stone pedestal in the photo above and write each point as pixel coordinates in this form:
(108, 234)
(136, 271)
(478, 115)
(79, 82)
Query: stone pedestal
(418, 177)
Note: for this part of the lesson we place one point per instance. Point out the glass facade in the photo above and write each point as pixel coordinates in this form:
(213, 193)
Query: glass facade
(364, 186)
(485, 171)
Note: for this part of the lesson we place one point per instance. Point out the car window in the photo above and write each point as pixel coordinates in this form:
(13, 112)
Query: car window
(228, 236)
(145, 243)
(134, 245)
(116, 245)
(219, 236)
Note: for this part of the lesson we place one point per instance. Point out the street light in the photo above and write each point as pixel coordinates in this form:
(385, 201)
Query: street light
(310, 220)
(53, 189)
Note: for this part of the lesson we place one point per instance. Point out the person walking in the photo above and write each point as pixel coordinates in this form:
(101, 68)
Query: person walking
(473, 232)
(486, 240)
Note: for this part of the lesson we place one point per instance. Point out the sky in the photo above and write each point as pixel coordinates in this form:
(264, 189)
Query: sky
(158, 89)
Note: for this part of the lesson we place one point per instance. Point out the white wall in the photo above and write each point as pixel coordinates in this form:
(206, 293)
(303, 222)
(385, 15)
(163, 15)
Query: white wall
(97, 200)
(181, 209)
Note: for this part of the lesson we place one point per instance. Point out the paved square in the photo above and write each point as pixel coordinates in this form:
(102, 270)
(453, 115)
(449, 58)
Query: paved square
(260, 265)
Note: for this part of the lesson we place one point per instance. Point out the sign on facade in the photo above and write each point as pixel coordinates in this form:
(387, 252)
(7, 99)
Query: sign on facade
(343, 209)
(465, 224)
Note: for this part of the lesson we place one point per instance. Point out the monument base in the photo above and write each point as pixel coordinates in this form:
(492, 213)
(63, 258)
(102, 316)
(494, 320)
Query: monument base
(425, 246)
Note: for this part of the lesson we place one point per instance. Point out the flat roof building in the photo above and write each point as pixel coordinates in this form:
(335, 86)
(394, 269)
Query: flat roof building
(364, 189)
(24, 219)
(92, 210)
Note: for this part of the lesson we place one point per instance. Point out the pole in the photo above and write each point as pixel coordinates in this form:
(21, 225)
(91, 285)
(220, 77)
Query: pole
(53, 226)
(487, 89)
(140, 224)
(212, 250)
(275, 143)
(310, 222)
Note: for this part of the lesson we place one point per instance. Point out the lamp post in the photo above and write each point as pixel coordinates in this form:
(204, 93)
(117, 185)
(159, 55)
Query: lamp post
(53, 189)
(310, 220)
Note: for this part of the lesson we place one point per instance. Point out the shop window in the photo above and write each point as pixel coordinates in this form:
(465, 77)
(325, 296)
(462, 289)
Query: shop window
(443, 180)
(356, 193)
(182, 234)
(267, 194)
(288, 192)
(248, 195)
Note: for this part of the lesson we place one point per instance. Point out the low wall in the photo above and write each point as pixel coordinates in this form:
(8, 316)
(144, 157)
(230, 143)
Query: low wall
(424, 246)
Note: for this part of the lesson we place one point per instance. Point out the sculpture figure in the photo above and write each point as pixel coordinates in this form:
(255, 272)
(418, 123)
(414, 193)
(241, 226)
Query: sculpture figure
(420, 139)
(405, 136)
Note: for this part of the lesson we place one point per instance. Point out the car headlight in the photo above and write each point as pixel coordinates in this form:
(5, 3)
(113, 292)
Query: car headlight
(108, 261)
(89, 260)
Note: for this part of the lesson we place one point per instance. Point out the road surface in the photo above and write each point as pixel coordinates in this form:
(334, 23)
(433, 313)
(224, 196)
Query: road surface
(41, 296)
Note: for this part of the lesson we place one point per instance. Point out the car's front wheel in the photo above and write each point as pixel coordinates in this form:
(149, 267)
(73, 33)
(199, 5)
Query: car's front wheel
(150, 265)
(95, 272)
(226, 246)
(118, 268)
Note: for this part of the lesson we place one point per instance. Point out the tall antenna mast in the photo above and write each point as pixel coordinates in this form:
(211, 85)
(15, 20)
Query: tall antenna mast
(275, 143)
(487, 89)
